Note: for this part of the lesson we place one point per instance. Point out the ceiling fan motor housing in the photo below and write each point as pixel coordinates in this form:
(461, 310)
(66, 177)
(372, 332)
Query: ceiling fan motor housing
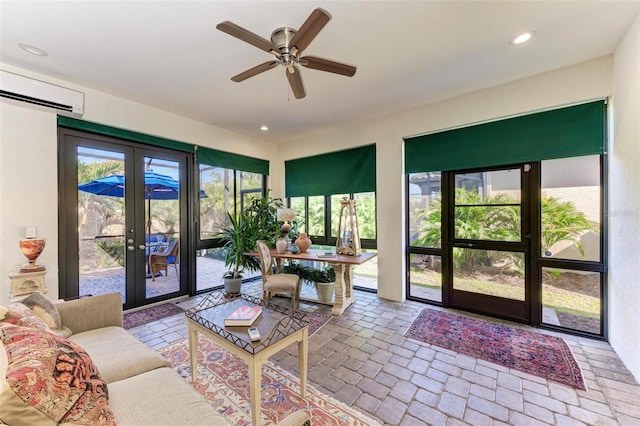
(281, 37)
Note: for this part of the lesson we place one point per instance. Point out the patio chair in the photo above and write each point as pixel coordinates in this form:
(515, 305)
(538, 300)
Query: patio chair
(274, 283)
(159, 261)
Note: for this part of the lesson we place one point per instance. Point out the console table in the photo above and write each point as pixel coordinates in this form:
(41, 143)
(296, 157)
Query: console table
(343, 265)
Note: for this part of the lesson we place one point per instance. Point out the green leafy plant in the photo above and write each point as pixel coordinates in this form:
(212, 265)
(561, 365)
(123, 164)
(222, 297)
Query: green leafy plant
(115, 250)
(492, 218)
(262, 212)
(257, 221)
(237, 238)
(311, 275)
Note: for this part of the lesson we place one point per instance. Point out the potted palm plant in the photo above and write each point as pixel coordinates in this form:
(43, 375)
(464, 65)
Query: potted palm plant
(257, 221)
(237, 237)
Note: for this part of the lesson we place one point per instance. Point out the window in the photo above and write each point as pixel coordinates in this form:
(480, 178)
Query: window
(230, 181)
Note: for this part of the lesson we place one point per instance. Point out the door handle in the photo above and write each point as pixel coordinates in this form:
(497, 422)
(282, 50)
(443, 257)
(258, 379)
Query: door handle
(142, 247)
(131, 248)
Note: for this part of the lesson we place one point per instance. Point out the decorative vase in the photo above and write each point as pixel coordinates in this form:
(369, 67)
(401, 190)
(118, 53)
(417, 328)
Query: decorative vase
(294, 249)
(303, 242)
(281, 245)
(32, 248)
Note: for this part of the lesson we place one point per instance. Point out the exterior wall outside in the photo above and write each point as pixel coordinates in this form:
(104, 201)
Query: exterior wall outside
(29, 164)
(624, 203)
(574, 84)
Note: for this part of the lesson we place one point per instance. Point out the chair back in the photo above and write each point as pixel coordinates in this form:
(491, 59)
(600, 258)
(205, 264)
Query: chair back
(172, 251)
(265, 259)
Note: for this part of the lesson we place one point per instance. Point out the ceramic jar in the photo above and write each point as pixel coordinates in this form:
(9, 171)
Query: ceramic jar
(281, 245)
(303, 242)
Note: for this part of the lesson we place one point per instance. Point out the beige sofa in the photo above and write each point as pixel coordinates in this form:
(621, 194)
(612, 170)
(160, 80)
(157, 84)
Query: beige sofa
(142, 387)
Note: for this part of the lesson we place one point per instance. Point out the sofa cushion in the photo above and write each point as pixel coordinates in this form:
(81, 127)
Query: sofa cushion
(158, 397)
(21, 315)
(47, 311)
(48, 379)
(117, 353)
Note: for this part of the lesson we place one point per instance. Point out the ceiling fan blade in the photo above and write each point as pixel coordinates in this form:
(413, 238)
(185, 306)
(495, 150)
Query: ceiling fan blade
(254, 71)
(310, 29)
(321, 64)
(295, 81)
(245, 35)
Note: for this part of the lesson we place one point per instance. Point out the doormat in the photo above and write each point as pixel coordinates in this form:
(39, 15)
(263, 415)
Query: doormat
(222, 379)
(537, 354)
(147, 315)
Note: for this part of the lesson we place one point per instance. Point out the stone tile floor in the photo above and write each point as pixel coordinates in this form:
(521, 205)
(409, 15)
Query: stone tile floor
(362, 359)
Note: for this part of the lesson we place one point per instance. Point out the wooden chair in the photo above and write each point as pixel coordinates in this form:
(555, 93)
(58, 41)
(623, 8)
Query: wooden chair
(159, 261)
(274, 283)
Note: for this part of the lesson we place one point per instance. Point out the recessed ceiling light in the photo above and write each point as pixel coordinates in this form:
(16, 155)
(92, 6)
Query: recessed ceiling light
(264, 128)
(522, 38)
(32, 49)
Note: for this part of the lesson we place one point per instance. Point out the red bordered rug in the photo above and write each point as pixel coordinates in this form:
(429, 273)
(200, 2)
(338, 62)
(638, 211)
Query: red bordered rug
(147, 315)
(223, 381)
(537, 354)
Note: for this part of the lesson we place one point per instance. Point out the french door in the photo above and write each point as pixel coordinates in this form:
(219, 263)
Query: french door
(488, 228)
(123, 219)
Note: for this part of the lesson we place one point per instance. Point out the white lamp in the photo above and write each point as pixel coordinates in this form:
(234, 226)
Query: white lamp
(286, 216)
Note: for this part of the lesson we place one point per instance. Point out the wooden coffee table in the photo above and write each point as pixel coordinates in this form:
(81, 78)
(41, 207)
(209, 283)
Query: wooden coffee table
(279, 327)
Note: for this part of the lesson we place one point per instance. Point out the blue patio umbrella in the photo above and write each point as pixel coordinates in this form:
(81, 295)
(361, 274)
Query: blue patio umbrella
(157, 187)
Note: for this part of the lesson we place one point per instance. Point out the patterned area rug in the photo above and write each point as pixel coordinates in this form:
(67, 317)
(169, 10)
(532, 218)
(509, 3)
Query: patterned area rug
(222, 380)
(154, 313)
(537, 354)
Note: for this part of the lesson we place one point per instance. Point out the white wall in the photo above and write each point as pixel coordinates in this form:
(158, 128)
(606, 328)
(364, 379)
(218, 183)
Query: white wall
(624, 203)
(573, 84)
(28, 165)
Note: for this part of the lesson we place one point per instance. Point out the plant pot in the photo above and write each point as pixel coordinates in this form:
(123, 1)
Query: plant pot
(232, 285)
(325, 291)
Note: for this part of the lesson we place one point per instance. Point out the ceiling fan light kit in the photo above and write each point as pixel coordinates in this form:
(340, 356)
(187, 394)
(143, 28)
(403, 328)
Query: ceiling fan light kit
(287, 45)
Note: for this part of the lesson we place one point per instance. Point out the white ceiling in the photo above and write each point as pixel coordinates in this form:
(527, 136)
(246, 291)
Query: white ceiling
(169, 55)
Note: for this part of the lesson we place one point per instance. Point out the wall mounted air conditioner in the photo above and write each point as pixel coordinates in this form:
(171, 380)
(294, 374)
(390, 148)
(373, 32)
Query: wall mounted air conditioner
(24, 89)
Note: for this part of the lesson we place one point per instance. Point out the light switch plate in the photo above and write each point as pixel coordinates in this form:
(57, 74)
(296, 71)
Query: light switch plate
(30, 232)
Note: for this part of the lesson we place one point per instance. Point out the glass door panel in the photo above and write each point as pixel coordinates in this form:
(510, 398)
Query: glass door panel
(101, 222)
(490, 272)
(489, 253)
(162, 226)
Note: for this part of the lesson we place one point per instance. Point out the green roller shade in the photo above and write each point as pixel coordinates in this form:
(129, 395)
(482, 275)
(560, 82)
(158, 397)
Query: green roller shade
(74, 123)
(566, 132)
(353, 170)
(227, 160)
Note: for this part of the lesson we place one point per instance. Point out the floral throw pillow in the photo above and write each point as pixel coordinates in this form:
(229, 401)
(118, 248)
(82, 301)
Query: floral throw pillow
(49, 378)
(19, 314)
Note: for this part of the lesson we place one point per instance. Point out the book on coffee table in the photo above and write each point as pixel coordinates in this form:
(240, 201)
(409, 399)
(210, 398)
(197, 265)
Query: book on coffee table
(243, 316)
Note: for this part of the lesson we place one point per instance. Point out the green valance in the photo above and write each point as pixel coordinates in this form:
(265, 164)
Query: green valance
(342, 172)
(74, 123)
(566, 132)
(227, 160)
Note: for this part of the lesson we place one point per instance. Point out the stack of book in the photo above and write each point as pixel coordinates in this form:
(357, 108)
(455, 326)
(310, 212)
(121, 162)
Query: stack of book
(243, 316)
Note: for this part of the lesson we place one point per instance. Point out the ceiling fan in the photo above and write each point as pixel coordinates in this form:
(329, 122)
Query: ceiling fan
(287, 45)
